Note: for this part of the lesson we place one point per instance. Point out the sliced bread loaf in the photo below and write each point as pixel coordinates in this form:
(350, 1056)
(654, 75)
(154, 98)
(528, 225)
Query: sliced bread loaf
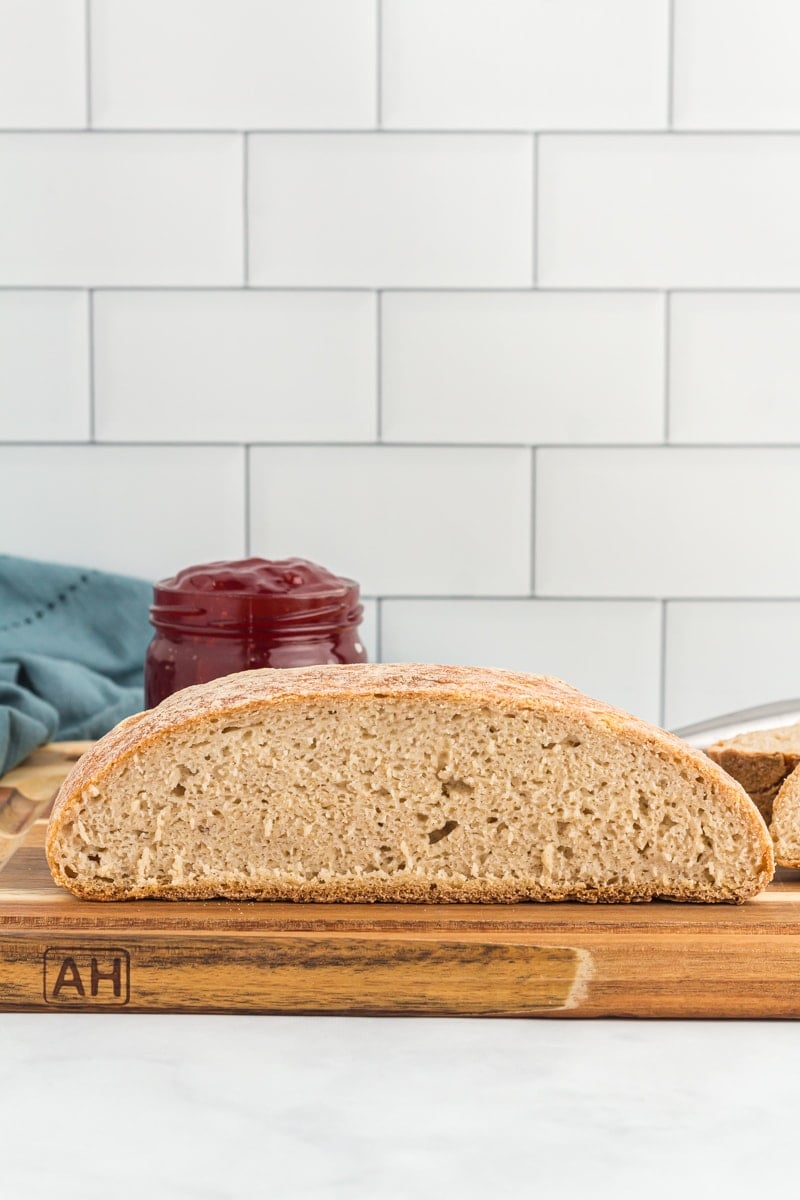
(760, 762)
(405, 782)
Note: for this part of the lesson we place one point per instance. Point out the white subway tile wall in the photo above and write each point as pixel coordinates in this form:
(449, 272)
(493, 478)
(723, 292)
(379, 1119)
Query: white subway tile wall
(735, 369)
(654, 522)
(643, 210)
(44, 366)
(729, 655)
(393, 209)
(234, 366)
(525, 64)
(583, 640)
(134, 509)
(402, 520)
(583, 367)
(736, 64)
(120, 209)
(233, 64)
(493, 304)
(42, 64)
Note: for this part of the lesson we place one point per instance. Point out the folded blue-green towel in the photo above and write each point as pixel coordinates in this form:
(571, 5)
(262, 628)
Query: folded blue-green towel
(72, 645)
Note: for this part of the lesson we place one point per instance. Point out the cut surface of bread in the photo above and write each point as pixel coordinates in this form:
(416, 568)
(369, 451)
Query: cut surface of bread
(785, 828)
(760, 761)
(401, 782)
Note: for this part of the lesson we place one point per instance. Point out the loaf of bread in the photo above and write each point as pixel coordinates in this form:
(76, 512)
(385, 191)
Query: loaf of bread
(760, 762)
(404, 782)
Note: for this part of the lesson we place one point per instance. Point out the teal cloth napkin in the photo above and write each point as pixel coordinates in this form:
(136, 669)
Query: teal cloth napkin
(72, 645)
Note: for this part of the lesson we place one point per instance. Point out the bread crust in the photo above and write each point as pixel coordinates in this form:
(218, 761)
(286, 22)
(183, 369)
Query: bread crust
(407, 890)
(249, 691)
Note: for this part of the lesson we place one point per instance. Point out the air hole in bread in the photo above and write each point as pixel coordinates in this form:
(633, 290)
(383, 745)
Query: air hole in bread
(437, 835)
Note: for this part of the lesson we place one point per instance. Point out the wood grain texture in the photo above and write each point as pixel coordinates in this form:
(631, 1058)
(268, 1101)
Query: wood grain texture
(648, 960)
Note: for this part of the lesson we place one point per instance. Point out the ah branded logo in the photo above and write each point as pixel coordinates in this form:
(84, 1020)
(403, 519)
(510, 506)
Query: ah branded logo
(78, 977)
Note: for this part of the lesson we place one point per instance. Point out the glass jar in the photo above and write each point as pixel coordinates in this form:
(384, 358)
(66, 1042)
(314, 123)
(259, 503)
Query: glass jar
(217, 618)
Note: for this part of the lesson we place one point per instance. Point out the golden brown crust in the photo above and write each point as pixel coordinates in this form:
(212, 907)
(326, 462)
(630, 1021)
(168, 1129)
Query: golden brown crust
(411, 890)
(252, 690)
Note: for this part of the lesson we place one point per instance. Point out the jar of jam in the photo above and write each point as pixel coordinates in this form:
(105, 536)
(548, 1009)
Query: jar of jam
(220, 617)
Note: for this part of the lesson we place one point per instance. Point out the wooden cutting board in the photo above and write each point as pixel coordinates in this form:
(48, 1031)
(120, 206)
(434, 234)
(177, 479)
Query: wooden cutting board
(649, 960)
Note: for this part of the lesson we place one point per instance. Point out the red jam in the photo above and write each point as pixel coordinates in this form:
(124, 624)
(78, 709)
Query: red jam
(220, 617)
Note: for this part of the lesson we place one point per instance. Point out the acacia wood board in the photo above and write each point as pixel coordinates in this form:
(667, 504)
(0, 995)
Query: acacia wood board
(642, 960)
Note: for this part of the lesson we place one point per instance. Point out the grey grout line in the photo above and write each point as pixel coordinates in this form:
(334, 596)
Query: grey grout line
(370, 444)
(87, 17)
(616, 289)
(197, 287)
(532, 538)
(422, 289)
(662, 674)
(359, 131)
(245, 211)
(584, 446)
(535, 199)
(90, 332)
(247, 521)
(578, 599)
(667, 353)
(378, 367)
(378, 63)
(671, 64)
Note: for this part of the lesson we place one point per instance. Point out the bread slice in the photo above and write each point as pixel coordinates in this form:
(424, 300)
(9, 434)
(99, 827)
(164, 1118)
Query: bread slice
(404, 782)
(785, 828)
(760, 762)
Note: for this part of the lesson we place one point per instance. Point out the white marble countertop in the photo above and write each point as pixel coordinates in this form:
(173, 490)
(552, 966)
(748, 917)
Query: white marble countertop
(99, 1107)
